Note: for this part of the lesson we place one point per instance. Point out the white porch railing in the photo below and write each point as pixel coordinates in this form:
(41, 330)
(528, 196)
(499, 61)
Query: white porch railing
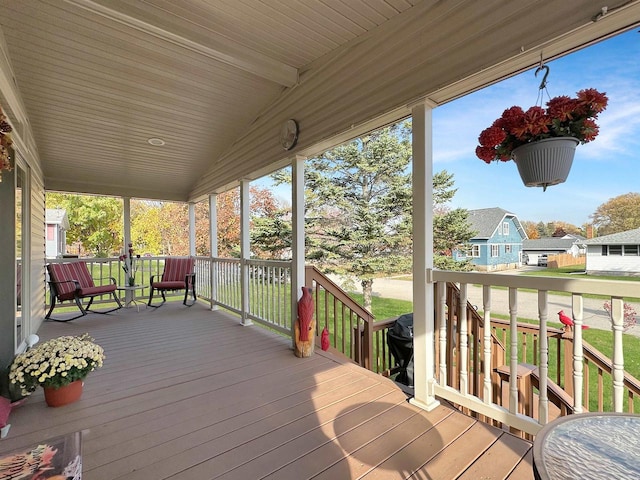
(484, 404)
(219, 281)
(466, 366)
(268, 290)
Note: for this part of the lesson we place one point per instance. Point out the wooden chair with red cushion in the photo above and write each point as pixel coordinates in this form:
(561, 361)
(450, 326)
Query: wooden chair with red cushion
(73, 281)
(178, 274)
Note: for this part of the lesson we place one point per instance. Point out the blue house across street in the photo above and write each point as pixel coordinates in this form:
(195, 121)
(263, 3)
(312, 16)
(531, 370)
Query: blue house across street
(497, 244)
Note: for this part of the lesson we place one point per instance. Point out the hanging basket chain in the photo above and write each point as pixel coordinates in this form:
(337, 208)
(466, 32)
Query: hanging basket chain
(543, 84)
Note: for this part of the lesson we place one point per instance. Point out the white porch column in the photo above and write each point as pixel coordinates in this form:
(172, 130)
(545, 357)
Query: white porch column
(192, 229)
(213, 248)
(423, 294)
(297, 241)
(126, 201)
(126, 204)
(245, 247)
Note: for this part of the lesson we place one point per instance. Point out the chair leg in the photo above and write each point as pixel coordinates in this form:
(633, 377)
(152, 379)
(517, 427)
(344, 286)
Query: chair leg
(53, 304)
(151, 298)
(83, 312)
(186, 294)
(104, 311)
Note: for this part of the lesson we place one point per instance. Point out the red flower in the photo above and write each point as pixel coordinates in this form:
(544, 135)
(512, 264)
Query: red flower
(593, 99)
(561, 107)
(590, 130)
(492, 136)
(486, 153)
(563, 117)
(535, 122)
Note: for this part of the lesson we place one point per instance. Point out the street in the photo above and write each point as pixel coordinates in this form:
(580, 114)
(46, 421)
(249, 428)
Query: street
(594, 314)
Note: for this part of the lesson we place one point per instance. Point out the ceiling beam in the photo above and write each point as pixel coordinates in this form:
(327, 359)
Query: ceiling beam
(221, 48)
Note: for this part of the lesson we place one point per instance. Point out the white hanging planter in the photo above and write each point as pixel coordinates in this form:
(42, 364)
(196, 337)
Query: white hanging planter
(545, 162)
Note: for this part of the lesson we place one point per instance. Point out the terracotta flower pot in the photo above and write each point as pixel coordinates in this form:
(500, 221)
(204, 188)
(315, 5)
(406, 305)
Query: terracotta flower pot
(58, 397)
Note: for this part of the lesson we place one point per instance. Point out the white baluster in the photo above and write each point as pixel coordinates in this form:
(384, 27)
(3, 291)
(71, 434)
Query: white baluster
(464, 340)
(617, 320)
(577, 306)
(442, 325)
(513, 360)
(486, 306)
(543, 368)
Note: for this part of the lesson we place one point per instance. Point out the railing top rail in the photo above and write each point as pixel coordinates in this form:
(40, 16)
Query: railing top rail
(596, 356)
(609, 288)
(270, 263)
(528, 327)
(382, 324)
(339, 293)
(226, 259)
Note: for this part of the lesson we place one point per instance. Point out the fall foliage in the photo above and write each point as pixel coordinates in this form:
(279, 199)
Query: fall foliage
(618, 214)
(158, 228)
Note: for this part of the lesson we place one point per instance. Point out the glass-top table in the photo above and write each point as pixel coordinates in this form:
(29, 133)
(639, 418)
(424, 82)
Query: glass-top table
(594, 446)
(130, 295)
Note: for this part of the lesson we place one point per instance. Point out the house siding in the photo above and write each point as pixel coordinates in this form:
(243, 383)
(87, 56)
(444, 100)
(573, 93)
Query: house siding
(505, 260)
(38, 258)
(611, 264)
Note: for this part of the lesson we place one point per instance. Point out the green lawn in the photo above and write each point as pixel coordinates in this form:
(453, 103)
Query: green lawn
(578, 272)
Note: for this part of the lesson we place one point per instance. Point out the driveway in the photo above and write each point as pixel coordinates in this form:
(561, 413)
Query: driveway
(594, 313)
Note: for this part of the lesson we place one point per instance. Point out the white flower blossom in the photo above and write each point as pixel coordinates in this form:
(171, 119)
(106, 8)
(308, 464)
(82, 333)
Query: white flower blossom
(56, 362)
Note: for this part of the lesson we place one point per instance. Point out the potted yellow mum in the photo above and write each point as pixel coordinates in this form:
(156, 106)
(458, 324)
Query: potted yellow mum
(58, 365)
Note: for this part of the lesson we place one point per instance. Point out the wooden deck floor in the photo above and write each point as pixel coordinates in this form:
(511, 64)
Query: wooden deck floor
(186, 393)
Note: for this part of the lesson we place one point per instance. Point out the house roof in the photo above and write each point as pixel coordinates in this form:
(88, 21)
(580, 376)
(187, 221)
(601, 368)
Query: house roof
(485, 221)
(57, 216)
(88, 84)
(549, 244)
(621, 238)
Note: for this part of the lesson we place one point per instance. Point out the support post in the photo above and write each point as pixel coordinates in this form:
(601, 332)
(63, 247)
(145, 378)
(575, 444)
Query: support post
(126, 205)
(245, 247)
(297, 244)
(192, 229)
(213, 249)
(423, 289)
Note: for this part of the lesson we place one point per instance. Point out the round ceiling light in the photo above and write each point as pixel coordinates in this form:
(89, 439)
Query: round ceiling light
(158, 142)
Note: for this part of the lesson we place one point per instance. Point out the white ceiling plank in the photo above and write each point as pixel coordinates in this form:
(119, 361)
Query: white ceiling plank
(224, 51)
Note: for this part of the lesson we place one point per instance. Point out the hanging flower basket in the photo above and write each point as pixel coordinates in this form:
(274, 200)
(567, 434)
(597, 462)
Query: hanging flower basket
(545, 162)
(547, 135)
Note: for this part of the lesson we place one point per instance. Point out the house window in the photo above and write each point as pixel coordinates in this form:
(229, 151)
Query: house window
(51, 229)
(605, 251)
(505, 228)
(507, 249)
(495, 250)
(631, 249)
(475, 251)
(615, 249)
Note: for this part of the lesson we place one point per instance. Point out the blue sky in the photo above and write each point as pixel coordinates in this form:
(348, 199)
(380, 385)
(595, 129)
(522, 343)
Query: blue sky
(602, 169)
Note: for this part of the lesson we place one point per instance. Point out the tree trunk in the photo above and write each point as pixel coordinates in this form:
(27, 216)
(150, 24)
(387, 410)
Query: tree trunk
(367, 288)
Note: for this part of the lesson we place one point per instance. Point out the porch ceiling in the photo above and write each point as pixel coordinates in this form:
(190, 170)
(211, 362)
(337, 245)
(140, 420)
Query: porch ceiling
(87, 82)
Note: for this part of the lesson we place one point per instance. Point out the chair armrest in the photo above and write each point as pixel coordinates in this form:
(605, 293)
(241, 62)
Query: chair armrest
(77, 284)
(151, 280)
(193, 278)
(111, 280)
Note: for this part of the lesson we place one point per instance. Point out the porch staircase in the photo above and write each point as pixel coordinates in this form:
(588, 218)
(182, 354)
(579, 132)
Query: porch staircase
(355, 334)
